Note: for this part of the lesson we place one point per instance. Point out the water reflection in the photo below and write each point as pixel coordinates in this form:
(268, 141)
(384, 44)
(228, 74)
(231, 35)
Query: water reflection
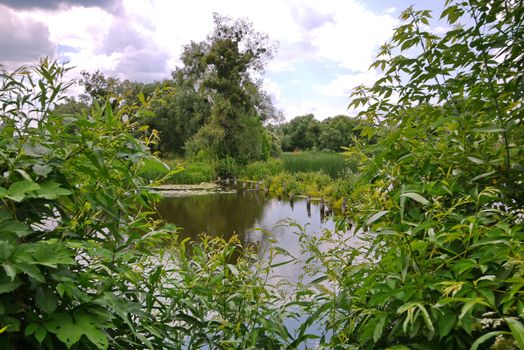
(254, 217)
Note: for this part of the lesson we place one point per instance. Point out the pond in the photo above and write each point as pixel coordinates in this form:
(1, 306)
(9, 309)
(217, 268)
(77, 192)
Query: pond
(258, 219)
(254, 217)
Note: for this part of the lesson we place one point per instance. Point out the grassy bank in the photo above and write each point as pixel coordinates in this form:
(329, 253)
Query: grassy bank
(318, 174)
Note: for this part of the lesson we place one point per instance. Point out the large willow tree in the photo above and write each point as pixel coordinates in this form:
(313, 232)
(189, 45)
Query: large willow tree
(225, 71)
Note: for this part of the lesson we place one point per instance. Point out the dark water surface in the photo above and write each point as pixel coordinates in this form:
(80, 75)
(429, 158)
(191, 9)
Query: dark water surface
(255, 217)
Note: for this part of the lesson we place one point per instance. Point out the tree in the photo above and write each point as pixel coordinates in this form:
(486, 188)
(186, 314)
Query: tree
(223, 70)
(300, 133)
(337, 132)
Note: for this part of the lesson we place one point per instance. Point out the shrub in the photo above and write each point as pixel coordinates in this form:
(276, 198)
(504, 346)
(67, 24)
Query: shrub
(438, 203)
(73, 228)
(193, 173)
(261, 170)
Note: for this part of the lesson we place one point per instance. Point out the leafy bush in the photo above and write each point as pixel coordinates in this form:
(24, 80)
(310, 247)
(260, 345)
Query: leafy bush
(261, 170)
(438, 204)
(83, 264)
(72, 225)
(220, 296)
(226, 167)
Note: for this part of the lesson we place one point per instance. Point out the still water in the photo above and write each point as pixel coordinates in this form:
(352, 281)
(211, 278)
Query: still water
(254, 217)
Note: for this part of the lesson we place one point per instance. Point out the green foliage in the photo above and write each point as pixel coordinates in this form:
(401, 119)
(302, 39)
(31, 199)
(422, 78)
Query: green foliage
(438, 206)
(83, 264)
(306, 133)
(261, 170)
(332, 164)
(220, 298)
(71, 212)
(194, 173)
(221, 70)
(300, 133)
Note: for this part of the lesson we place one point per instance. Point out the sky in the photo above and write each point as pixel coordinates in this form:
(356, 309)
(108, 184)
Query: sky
(324, 47)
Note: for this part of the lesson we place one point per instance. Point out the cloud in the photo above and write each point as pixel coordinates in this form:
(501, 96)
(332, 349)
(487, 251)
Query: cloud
(57, 4)
(142, 65)
(310, 19)
(122, 36)
(143, 40)
(22, 40)
(391, 10)
(343, 84)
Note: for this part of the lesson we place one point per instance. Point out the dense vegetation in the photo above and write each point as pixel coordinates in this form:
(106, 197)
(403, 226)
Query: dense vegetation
(83, 264)
(436, 204)
(306, 133)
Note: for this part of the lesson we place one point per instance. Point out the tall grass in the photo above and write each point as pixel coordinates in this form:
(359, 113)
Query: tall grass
(332, 164)
(261, 170)
(194, 172)
(185, 173)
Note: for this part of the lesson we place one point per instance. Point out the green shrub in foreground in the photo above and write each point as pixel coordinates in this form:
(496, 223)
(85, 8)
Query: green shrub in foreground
(439, 202)
(83, 264)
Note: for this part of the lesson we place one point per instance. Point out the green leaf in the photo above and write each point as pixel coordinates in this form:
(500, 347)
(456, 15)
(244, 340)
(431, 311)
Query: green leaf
(69, 330)
(6, 285)
(18, 190)
(16, 227)
(66, 331)
(45, 299)
(233, 269)
(476, 160)
(470, 304)
(141, 98)
(376, 216)
(517, 330)
(93, 333)
(489, 130)
(31, 270)
(415, 196)
(379, 328)
(6, 250)
(485, 337)
(40, 334)
(427, 319)
(30, 329)
(481, 176)
(42, 170)
(35, 150)
(10, 271)
(445, 324)
(51, 190)
(51, 255)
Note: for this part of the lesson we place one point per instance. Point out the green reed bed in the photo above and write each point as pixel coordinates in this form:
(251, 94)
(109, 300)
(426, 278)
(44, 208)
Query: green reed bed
(332, 164)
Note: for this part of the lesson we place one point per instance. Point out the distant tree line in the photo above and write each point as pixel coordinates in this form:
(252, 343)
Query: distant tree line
(307, 133)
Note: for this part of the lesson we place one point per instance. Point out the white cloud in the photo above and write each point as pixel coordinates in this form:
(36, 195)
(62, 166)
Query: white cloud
(144, 39)
(344, 84)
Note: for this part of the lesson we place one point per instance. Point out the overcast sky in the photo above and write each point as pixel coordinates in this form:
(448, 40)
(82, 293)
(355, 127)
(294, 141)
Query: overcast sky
(325, 47)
